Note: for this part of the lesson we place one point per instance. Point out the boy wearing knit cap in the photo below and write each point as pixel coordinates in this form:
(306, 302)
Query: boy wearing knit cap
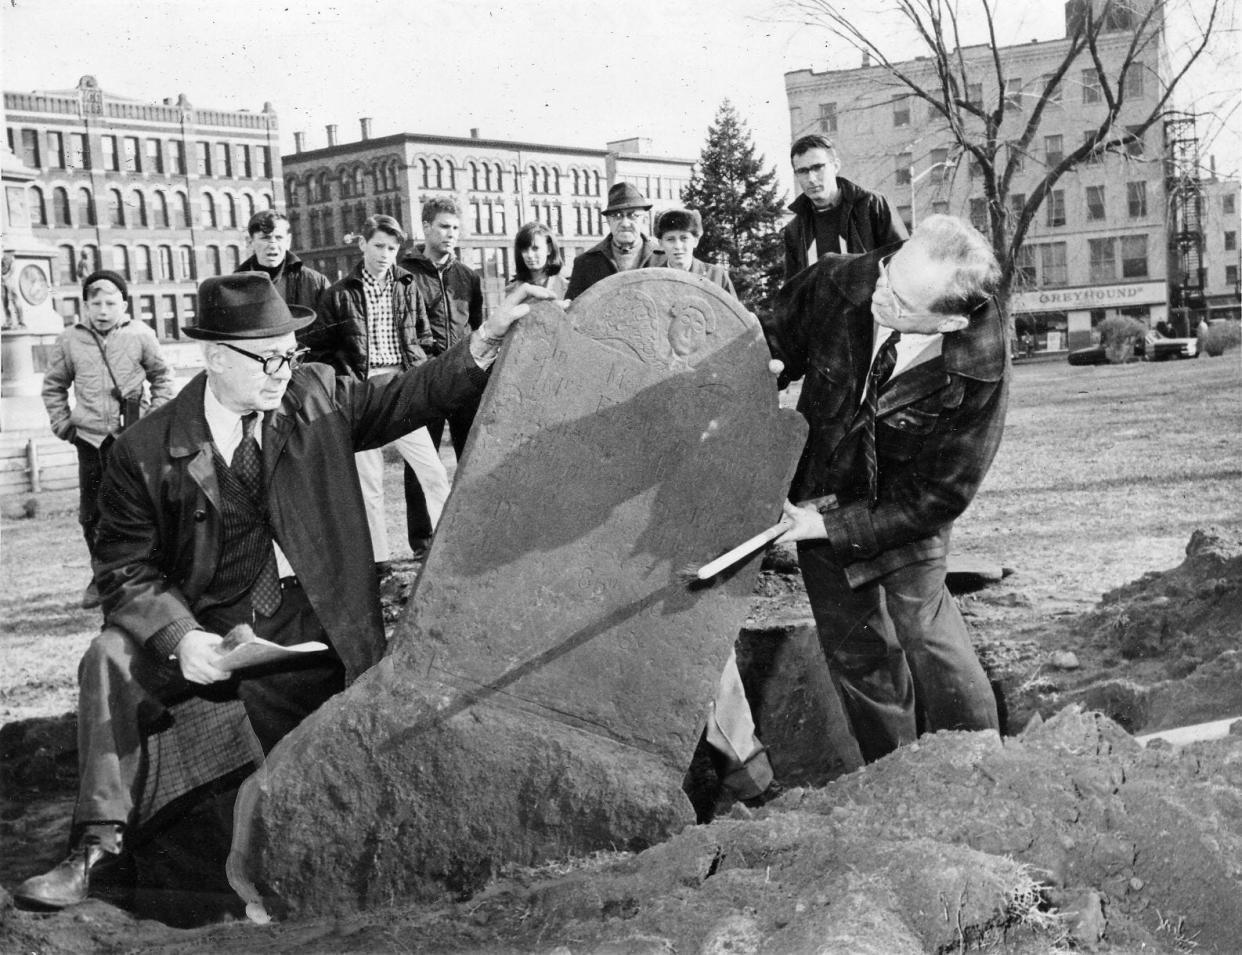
(106, 360)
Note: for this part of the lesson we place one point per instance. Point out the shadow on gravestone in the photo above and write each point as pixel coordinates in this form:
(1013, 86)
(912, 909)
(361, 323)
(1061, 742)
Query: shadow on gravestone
(544, 693)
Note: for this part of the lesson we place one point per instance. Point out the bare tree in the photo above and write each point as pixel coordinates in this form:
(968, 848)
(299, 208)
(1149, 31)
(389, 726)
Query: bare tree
(1107, 42)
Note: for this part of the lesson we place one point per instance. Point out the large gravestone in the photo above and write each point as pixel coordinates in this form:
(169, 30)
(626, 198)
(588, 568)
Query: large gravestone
(545, 691)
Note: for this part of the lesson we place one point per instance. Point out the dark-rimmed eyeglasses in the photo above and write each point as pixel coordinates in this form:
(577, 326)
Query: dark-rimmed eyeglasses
(273, 363)
(632, 214)
(903, 307)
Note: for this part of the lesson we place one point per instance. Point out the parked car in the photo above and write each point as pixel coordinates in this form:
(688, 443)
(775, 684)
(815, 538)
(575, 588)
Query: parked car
(1153, 347)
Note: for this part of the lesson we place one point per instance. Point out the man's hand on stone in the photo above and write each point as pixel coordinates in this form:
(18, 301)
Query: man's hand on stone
(515, 305)
(806, 524)
(197, 654)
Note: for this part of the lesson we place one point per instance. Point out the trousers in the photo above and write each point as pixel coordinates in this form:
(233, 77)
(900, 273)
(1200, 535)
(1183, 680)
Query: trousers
(91, 463)
(146, 736)
(747, 771)
(898, 652)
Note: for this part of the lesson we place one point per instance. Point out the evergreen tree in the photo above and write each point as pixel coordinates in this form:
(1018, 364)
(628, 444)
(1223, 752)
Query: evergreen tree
(741, 210)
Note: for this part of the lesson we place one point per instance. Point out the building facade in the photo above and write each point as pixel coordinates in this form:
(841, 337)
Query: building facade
(500, 185)
(159, 192)
(1101, 244)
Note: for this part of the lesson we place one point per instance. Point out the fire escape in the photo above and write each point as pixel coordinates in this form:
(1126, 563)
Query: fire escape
(1187, 273)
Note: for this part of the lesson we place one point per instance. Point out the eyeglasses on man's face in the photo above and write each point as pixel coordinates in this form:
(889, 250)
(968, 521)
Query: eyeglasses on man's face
(273, 363)
(631, 214)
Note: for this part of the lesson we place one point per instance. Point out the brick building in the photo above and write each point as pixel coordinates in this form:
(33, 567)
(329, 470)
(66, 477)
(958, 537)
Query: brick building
(160, 192)
(499, 184)
(1103, 242)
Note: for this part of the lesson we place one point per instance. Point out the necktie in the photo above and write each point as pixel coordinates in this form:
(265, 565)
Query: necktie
(248, 466)
(881, 371)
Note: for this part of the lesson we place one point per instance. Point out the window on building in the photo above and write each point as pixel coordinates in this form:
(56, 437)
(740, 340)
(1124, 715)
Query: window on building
(66, 265)
(1025, 274)
(161, 210)
(1134, 256)
(1095, 155)
(133, 158)
(155, 156)
(232, 257)
(1231, 275)
(111, 160)
(1231, 241)
(248, 208)
(902, 171)
(38, 210)
(907, 217)
(291, 193)
(1095, 203)
(79, 151)
(979, 214)
(901, 110)
(185, 262)
(88, 261)
(974, 95)
(143, 264)
(939, 159)
(1132, 83)
(60, 206)
(165, 260)
(1055, 204)
(224, 163)
(230, 212)
(265, 161)
(439, 170)
(189, 306)
(1054, 150)
(1091, 86)
(181, 210)
(1052, 263)
(55, 150)
(213, 260)
(120, 262)
(1228, 204)
(86, 208)
(137, 209)
(116, 208)
(203, 151)
(168, 317)
(827, 117)
(30, 148)
(1102, 260)
(1133, 140)
(241, 160)
(1013, 91)
(146, 310)
(176, 157)
(209, 213)
(940, 207)
(1136, 199)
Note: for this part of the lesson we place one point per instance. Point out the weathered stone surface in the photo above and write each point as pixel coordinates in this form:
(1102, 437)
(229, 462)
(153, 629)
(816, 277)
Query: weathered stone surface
(545, 692)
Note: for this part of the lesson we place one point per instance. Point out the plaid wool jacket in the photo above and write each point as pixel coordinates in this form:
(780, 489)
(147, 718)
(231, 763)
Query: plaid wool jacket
(938, 424)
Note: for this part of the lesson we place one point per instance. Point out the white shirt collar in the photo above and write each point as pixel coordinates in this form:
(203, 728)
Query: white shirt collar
(225, 425)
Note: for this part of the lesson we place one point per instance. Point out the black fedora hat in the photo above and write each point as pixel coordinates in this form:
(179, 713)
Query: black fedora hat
(623, 195)
(244, 305)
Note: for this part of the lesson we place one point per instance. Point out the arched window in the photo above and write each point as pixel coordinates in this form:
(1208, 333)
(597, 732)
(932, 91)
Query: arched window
(474, 174)
(209, 213)
(597, 183)
(576, 183)
(120, 262)
(86, 208)
(181, 210)
(487, 177)
(547, 180)
(325, 190)
(312, 189)
(556, 181)
(143, 264)
(230, 211)
(249, 200)
(534, 179)
(500, 178)
(426, 175)
(346, 181)
(452, 174)
(116, 208)
(166, 263)
(213, 260)
(360, 182)
(88, 260)
(439, 175)
(232, 258)
(38, 211)
(161, 209)
(291, 193)
(186, 254)
(137, 208)
(66, 260)
(269, 202)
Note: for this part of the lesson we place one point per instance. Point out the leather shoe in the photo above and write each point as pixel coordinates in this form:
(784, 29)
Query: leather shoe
(70, 882)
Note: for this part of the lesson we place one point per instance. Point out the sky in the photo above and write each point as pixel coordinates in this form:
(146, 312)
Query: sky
(564, 72)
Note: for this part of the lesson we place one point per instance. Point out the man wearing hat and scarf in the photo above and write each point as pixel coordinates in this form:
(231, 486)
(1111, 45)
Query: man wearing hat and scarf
(236, 503)
(626, 246)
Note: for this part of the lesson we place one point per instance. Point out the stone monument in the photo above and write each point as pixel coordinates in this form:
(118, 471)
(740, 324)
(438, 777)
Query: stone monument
(544, 694)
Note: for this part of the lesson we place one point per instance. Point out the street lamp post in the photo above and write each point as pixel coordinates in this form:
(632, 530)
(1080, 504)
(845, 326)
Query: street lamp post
(946, 164)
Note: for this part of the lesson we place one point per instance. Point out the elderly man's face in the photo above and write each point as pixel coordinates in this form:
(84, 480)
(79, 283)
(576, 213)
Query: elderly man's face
(911, 282)
(627, 225)
(239, 381)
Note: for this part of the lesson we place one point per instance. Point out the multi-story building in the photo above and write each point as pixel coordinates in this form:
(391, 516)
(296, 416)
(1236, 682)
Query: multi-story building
(1222, 253)
(160, 192)
(1099, 245)
(499, 184)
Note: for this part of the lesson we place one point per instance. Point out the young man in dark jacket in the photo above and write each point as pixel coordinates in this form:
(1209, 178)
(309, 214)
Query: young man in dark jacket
(374, 322)
(832, 214)
(270, 237)
(453, 293)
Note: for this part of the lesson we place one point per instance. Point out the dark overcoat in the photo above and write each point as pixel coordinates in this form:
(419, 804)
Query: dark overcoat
(867, 222)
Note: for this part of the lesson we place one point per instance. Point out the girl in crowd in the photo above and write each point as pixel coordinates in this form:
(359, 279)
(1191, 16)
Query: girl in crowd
(538, 260)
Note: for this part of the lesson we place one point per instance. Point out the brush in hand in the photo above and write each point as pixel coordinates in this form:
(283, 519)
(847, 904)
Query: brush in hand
(730, 557)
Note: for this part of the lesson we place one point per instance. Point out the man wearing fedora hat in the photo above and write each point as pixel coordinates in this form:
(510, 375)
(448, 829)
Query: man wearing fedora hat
(236, 503)
(625, 247)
